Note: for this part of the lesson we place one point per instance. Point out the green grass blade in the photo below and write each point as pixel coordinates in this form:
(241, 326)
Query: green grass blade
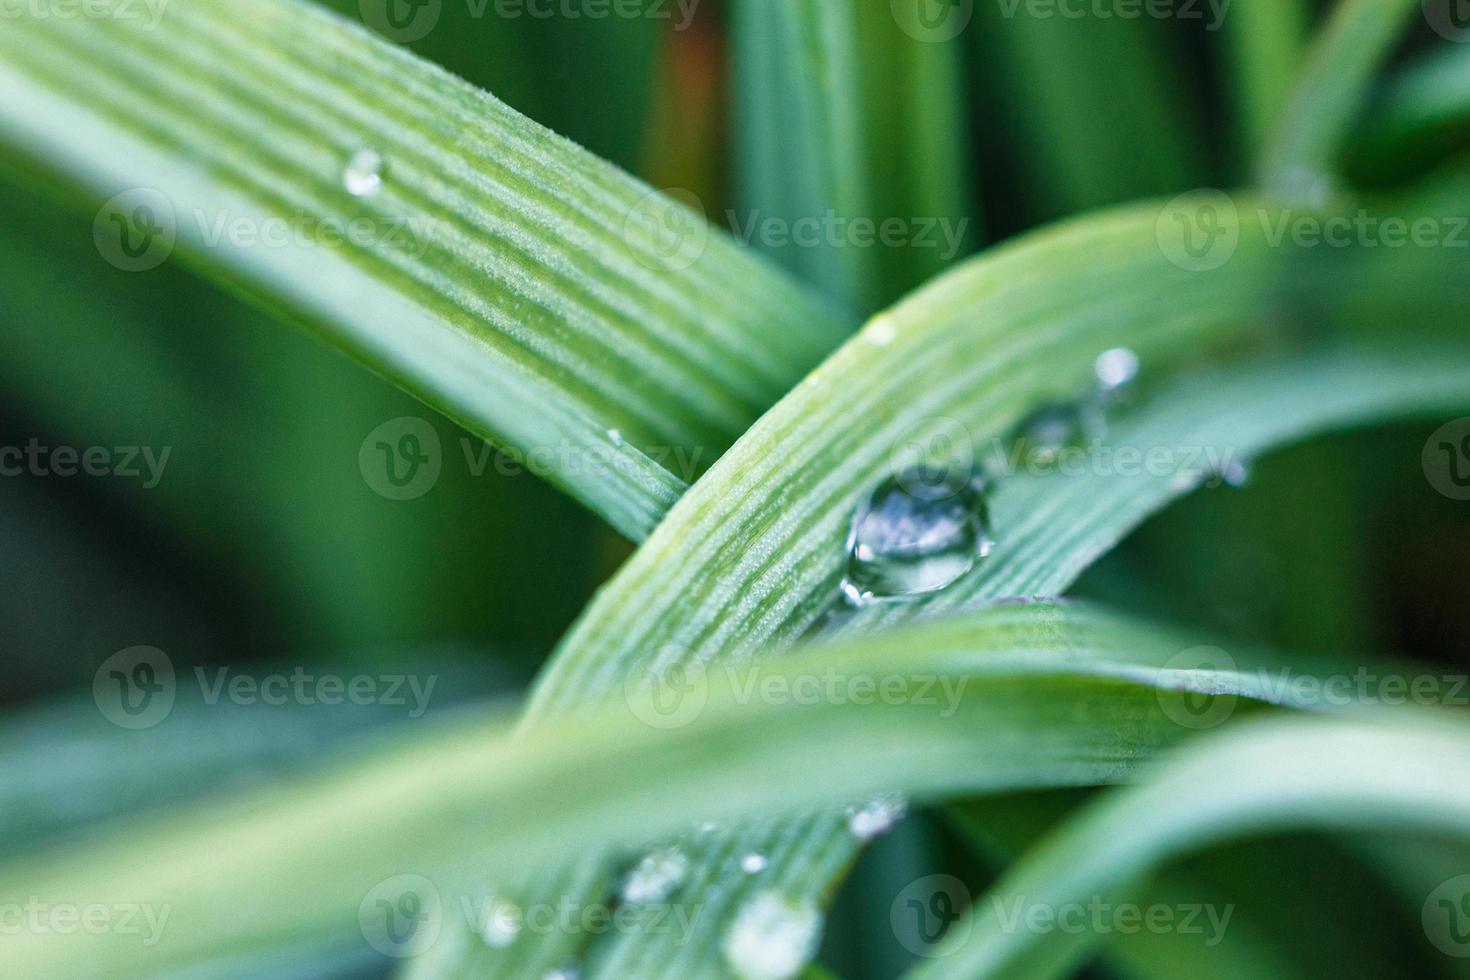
(1301, 160)
(841, 114)
(1404, 776)
(1421, 116)
(1264, 44)
(526, 289)
(1082, 95)
(1054, 695)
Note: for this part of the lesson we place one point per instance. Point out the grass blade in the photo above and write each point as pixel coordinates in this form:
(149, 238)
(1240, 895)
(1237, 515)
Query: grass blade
(531, 292)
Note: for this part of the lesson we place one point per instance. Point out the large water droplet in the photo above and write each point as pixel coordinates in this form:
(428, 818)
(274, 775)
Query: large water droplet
(773, 936)
(916, 533)
(655, 877)
(363, 175)
(502, 922)
(753, 863)
(877, 817)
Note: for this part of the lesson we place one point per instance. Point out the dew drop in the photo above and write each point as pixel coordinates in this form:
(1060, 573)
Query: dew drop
(753, 863)
(1237, 473)
(502, 922)
(363, 175)
(881, 331)
(1116, 369)
(772, 938)
(877, 817)
(916, 533)
(562, 973)
(708, 827)
(655, 877)
(616, 436)
(1048, 432)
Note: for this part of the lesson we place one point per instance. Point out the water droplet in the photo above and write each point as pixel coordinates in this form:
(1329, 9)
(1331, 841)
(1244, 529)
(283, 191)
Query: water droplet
(916, 533)
(655, 877)
(616, 436)
(1116, 369)
(1048, 432)
(753, 863)
(1237, 472)
(563, 973)
(877, 817)
(708, 827)
(363, 175)
(881, 331)
(502, 922)
(772, 938)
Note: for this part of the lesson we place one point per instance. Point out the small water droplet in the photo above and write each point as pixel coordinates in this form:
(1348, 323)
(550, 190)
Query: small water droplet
(1116, 369)
(773, 936)
(753, 863)
(916, 533)
(563, 973)
(877, 817)
(1237, 472)
(363, 175)
(655, 877)
(502, 922)
(881, 331)
(1048, 432)
(616, 436)
(708, 827)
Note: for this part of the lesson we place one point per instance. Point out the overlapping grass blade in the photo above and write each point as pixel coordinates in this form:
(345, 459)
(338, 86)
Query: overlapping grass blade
(1039, 696)
(1302, 157)
(842, 117)
(1403, 776)
(526, 289)
(1264, 43)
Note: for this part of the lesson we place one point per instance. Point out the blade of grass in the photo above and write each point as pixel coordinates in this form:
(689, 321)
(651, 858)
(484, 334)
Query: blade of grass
(1399, 777)
(1421, 116)
(1264, 44)
(842, 118)
(1055, 696)
(1301, 160)
(538, 296)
